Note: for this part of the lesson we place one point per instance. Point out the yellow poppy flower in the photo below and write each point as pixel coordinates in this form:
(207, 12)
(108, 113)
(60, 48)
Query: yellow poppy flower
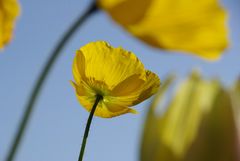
(115, 74)
(198, 124)
(235, 95)
(184, 25)
(9, 10)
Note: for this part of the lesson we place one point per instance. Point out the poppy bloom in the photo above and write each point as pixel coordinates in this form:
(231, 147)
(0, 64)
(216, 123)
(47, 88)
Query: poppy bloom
(182, 25)
(198, 124)
(9, 10)
(114, 74)
(235, 95)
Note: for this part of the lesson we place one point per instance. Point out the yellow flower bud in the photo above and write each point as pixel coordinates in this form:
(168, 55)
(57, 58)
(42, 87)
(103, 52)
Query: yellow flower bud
(198, 124)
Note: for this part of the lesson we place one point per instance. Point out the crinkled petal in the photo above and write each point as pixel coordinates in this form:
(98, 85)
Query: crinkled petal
(150, 87)
(128, 86)
(135, 90)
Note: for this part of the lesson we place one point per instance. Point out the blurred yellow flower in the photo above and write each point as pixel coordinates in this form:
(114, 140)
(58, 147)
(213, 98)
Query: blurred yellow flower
(184, 25)
(115, 74)
(9, 10)
(235, 93)
(198, 124)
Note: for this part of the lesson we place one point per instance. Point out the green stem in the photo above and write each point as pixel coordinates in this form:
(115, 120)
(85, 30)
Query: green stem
(42, 78)
(80, 158)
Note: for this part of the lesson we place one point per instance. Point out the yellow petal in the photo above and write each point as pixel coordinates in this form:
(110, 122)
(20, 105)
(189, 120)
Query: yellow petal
(138, 8)
(9, 10)
(134, 90)
(183, 25)
(80, 90)
(79, 67)
(192, 99)
(128, 86)
(216, 132)
(128, 91)
(115, 110)
(150, 87)
(104, 108)
(235, 95)
(150, 146)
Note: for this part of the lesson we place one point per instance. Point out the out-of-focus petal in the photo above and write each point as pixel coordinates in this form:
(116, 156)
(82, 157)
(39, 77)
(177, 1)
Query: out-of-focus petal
(150, 146)
(198, 125)
(183, 25)
(235, 95)
(9, 10)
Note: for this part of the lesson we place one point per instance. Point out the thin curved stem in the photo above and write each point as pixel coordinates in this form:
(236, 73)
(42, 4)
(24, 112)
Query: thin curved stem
(80, 158)
(42, 78)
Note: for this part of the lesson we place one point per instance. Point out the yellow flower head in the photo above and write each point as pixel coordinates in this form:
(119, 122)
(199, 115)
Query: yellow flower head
(115, 74)
(235, 95)
(184, 25)
(198, 124)
(9, 10)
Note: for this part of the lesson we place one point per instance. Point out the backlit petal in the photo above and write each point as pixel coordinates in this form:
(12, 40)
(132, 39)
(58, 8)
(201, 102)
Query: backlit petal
(183, 25)
(142, 90)
(79, 67)
(104, 109)
(150, 87)
(128, 86)
(136, 7)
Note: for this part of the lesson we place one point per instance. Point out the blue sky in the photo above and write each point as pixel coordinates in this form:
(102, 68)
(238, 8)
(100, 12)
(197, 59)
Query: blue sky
(57, 124)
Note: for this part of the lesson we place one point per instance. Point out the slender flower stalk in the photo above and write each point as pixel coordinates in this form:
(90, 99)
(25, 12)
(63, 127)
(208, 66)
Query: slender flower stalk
(42, 78)
(98, 98)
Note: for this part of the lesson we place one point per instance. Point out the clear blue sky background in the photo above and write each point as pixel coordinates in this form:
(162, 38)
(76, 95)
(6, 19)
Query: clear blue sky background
(57, 124)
